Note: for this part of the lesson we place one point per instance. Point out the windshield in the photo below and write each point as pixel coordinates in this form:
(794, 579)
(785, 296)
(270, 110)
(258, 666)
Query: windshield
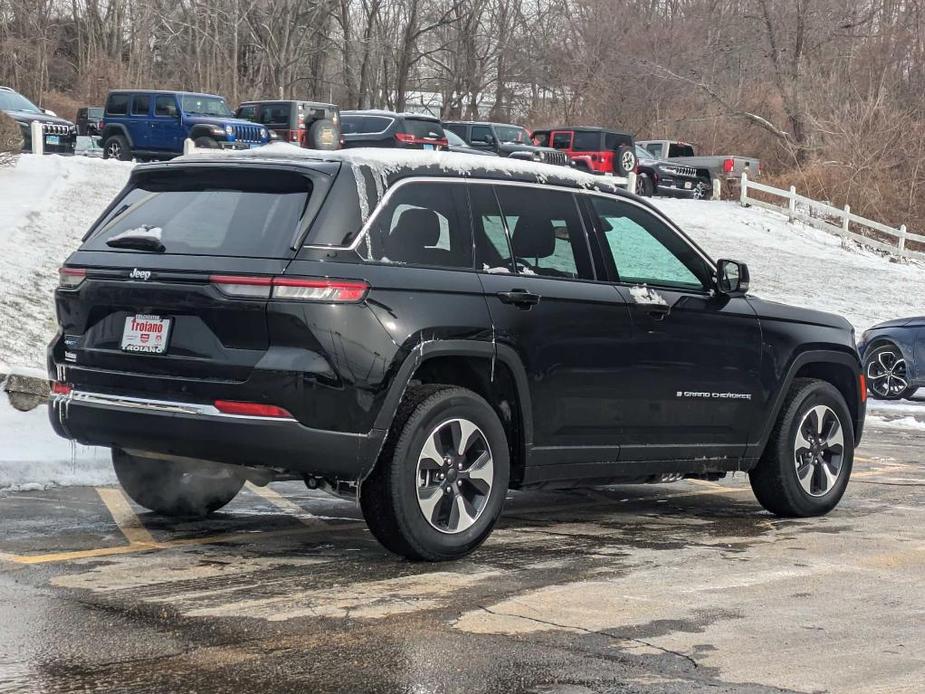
(642, 153)
(512, 133)
(11, 101)
(453, 139)
(205, 105)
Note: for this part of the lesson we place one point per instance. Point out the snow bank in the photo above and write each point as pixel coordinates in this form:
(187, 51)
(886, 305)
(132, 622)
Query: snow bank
(33, 457)
(46, 205)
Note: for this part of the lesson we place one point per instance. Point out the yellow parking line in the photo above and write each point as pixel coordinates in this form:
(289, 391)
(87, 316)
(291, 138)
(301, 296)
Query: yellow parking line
(127, 520)
(285, 505)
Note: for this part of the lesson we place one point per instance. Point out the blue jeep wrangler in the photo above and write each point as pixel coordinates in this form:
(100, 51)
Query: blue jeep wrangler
(149, 124)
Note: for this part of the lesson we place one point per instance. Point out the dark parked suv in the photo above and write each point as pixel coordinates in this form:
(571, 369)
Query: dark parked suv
(148, 124)
(60, 135)
(505, 140)
(388, 129)
(429, 338)
(309, 124)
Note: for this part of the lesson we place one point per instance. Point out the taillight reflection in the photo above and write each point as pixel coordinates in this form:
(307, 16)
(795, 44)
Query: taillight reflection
(323, 290)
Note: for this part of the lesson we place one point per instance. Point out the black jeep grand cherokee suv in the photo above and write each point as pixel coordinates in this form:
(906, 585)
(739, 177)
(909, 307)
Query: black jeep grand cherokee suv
(424, 331)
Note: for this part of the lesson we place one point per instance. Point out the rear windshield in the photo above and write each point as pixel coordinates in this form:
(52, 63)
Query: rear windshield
(424, 128)
(226, 213)
(364, 124)
(276, 114)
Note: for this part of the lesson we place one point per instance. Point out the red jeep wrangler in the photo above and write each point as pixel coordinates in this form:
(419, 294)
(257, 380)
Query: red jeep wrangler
(594, 149)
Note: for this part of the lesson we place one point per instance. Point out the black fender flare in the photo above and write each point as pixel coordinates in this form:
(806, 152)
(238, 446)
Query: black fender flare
(117, 129)
(203, 130)
(815, 356)
(458, 348)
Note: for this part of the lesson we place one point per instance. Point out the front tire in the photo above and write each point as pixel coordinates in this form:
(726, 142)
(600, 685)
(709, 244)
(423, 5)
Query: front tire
(807, 463)
(440, 482)
(171, 488)
(886, 374)
(644, 186)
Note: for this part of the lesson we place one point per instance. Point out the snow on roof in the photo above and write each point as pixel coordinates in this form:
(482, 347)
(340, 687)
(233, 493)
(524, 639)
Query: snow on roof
(377, 167)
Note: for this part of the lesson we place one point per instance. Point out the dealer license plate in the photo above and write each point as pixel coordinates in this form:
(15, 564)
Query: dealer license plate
(53, 139)
(428, 146)
(146, 334)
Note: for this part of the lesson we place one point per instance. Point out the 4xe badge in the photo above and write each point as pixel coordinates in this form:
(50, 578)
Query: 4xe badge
(137, 274)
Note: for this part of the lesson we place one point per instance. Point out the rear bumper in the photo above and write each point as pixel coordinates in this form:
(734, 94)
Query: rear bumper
(195, 430)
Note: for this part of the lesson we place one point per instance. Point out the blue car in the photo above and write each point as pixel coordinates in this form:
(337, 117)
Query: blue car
(150, 124)
(889, 351)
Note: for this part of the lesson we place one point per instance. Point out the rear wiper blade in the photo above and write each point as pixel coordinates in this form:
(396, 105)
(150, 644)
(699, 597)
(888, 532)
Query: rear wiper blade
(144, 238)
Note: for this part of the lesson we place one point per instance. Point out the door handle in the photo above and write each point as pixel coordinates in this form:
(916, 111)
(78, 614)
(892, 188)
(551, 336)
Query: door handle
(520, 298)
(658, 311)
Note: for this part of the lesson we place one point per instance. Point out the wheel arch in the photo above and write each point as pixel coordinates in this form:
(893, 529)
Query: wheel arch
(203, 130)
(490, 370)
(841, 369)
(117, 129)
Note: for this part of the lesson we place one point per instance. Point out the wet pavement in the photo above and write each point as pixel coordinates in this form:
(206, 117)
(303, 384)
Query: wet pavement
(688, 587)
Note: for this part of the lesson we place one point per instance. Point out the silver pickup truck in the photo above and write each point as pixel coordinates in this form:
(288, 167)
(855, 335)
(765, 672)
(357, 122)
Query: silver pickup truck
(716, 167)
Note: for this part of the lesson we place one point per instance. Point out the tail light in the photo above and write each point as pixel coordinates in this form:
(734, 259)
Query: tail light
(251, 409)
(443, 142)
(295, 135)
(71, 277)
(326, 290)
(404, 138)
(292, 288)
(728, 165)
(60, 388)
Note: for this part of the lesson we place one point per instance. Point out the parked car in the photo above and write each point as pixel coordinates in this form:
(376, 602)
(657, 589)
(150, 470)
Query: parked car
(389, 129)
(889, 352)
(90, 121)
(411, 344)
(309, 124)
(593, 149)
(456, 144)
(662, 177)
(504, 140)
(716, 167)
(151, 124)
(60, 135)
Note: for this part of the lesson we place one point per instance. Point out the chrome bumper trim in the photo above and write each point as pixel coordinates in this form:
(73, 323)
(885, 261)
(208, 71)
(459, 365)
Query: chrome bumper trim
(124, 402)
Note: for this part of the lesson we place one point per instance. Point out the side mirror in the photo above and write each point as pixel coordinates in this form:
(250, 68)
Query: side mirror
(731, 277)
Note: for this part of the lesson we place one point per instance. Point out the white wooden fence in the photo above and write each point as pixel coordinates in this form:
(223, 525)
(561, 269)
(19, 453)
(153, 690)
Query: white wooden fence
(835, 220)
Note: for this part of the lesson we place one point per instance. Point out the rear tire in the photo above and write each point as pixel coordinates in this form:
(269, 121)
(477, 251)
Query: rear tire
(420, 500)
(116, 147)
(624, 161)
(171, 488)
(807, 463)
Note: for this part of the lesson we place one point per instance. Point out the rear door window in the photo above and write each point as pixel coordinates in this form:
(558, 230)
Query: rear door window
(224, 213)
(141, 104)
(547, 236)
(248, 112)
(492, 245)
(679, 150)
(422, 225)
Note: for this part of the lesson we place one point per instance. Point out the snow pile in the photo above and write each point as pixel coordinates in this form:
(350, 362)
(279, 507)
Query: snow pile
(33, 457)
(46, 205)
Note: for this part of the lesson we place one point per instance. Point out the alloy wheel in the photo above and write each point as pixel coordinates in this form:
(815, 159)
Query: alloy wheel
(819, 450)
(628, 161)
(454, 478)
(698, 192)
(886, 374)
(114, 150)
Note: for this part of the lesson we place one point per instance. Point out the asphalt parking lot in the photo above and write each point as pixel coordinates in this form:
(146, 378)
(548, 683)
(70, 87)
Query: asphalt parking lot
(686, 587)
